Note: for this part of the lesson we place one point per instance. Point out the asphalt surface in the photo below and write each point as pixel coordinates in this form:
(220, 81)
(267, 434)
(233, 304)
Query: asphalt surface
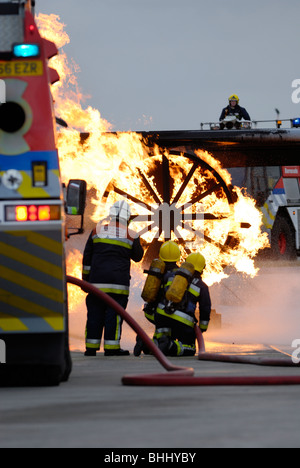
(94, 409)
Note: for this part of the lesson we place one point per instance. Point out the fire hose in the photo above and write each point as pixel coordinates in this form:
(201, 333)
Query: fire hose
(184, 376)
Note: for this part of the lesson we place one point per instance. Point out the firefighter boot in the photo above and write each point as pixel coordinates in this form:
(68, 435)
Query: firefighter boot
(90, 352)
(164, 344)
(116, 352)
(140, 347)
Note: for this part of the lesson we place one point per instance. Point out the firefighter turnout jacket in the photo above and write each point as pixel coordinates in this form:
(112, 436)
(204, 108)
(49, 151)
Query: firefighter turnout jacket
(197, 292)
(238, 111)
(175, 327)
(107, 256)
(150, 308)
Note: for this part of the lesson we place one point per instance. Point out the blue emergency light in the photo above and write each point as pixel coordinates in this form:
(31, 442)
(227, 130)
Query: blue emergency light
(26, 50)
(296, 123)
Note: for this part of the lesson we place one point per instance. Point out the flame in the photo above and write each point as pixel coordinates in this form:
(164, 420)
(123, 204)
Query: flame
(109, 160)
(74, 268)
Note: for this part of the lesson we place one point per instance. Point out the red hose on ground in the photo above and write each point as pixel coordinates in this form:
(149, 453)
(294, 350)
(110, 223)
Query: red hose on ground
(183, 376)
(89, 288)
(257, 361)
(200, 340)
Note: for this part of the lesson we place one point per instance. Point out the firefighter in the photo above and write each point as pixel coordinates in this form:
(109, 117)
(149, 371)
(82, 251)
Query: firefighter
(175, 328)
(106, 264)
(234, 109)
(169, 254)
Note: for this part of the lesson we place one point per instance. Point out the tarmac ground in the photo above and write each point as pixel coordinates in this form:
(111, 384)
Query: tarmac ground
(94, 409)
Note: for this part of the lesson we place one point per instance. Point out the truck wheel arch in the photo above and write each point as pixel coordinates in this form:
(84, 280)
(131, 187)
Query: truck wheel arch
(283, 237)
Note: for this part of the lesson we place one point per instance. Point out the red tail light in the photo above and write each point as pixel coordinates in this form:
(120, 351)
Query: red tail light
(32, 213)
(21, 213)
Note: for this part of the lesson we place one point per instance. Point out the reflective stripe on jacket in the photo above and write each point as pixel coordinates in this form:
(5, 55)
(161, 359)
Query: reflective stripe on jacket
(107, 257)
(197, 293)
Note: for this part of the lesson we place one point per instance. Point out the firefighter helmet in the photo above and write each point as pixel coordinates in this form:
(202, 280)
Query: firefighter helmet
(121, 210)
(234, 97)
(198, 261)
(170, 252)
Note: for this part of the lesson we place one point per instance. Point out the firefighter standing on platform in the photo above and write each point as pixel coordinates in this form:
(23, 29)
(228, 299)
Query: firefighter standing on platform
(106, 264)
(176, 328)
(169, 255)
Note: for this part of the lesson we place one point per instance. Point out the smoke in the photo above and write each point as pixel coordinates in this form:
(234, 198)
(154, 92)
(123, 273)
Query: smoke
(264, 310)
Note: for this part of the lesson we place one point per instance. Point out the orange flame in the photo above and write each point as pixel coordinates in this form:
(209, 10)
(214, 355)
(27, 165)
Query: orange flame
(105, 157)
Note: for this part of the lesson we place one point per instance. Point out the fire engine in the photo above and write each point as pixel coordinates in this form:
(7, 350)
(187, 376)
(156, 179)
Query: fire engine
(33, 298)
(263, 161)
(276, 189)
(277, 192)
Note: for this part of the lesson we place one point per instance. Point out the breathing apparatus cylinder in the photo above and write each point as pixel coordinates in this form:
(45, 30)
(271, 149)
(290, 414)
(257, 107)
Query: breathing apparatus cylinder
(154, 280)
(180, 283)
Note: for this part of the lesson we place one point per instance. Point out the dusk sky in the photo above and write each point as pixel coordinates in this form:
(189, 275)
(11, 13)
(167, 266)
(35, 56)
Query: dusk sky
(171, 64)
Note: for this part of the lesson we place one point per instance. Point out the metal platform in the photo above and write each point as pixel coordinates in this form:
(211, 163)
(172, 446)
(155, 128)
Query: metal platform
(236, 148)
(233, 148)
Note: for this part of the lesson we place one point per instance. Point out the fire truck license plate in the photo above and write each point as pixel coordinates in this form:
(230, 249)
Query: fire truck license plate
(18, 68)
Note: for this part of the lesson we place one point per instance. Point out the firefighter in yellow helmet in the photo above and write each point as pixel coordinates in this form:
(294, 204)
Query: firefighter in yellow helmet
(234, 109)
(175, 323)
(169, 256)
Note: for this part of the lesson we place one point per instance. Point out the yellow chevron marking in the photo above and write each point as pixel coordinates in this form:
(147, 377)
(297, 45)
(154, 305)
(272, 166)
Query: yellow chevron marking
(266, 206)
(30, 260)
(266, 222)
(54, 319)
(40, 241)
(9, 323)
(31, 284)
(27, 191)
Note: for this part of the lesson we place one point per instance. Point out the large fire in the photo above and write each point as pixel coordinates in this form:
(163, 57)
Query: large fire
(118, 164)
